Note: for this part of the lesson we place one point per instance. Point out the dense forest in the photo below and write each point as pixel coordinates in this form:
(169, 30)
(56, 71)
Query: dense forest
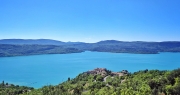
(19, 47)
(101, 81)
(21, 50)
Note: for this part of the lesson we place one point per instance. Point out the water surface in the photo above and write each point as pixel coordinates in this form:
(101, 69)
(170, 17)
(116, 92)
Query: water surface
(40, 70)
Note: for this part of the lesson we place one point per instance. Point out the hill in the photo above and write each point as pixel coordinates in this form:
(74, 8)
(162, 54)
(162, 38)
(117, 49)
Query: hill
(7, 50)
(101, 81)
(136, 47)
(35, 41)
(16, 47)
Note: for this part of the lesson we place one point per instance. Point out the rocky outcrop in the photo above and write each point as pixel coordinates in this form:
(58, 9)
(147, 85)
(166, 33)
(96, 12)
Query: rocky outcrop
(105, 72)
(100, 71)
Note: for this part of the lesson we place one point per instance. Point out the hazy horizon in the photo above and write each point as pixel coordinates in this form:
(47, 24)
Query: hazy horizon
(90, 21)
(87, 42)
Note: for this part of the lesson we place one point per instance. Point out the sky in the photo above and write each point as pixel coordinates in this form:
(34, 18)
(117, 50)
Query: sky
(90, 20)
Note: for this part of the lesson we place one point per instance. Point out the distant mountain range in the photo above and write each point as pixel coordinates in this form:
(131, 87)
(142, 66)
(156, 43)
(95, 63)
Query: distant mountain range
(16, 47)
(36, 41)
(56, 42)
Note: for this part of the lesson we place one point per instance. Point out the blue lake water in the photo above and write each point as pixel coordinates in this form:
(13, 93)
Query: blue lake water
(41, 70)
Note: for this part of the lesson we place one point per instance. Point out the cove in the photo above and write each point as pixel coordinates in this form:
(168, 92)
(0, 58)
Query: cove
(41, 70)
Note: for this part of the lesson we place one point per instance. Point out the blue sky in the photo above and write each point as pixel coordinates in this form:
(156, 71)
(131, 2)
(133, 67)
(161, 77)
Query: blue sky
(90, 20)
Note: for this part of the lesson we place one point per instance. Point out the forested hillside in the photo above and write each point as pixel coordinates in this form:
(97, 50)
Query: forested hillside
(21, 50)
(11, 89)
(37, 41)
(101, 81)
(32, 47)
(136, 47)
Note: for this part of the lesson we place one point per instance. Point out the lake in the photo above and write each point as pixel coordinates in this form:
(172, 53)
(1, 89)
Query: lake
(40, 70)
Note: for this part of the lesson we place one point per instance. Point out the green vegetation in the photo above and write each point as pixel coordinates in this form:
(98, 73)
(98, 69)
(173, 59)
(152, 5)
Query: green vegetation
(104, 82)
(19, 50)
(11, 89)
(135, 47)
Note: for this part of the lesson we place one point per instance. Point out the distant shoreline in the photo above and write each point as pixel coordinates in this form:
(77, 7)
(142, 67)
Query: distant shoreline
(84, 51)
(20, 47)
